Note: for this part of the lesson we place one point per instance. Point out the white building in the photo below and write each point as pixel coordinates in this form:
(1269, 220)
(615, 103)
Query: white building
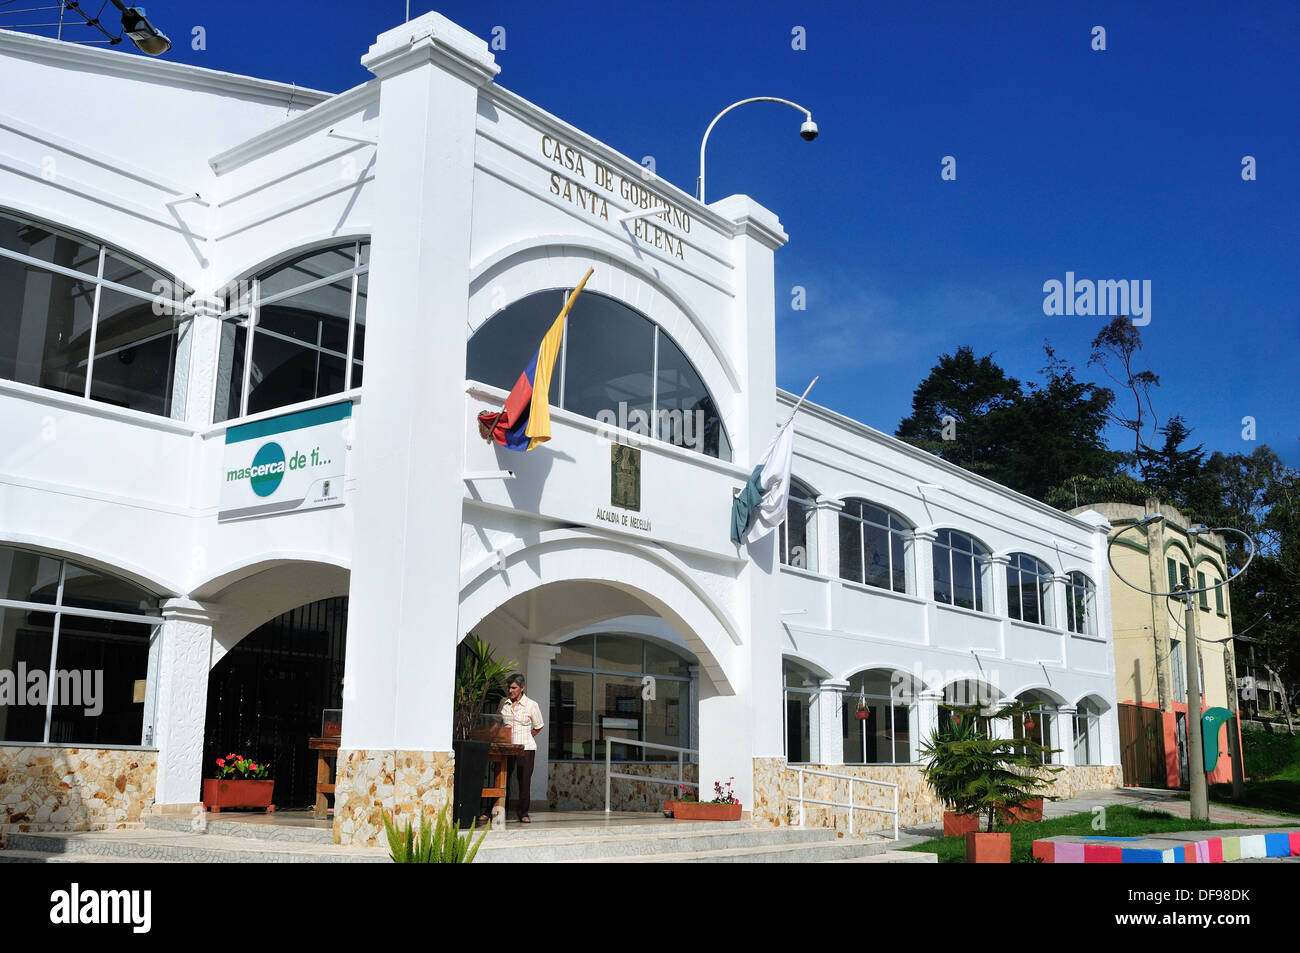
(419, 231)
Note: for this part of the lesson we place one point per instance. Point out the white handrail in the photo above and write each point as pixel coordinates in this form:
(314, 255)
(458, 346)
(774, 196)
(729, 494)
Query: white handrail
(681, 753)
(850, 804)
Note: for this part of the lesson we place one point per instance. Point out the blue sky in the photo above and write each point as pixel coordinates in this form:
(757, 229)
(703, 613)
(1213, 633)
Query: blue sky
(1116, 164)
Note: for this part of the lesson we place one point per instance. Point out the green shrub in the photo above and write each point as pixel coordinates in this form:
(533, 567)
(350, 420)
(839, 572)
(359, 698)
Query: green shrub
(1266, 754)
(431, 845)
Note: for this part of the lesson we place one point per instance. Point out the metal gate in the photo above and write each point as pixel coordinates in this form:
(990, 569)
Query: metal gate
(266, 696)
(1142, 744)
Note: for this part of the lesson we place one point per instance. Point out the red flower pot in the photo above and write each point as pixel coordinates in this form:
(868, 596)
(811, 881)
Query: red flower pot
(863, 714)
(957, 825)
(1031, 810)
(237, 793)
(697, 811)
(988, 848)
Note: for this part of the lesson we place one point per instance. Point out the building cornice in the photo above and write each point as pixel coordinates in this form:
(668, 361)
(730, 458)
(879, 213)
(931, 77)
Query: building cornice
(859, 429)
(147, 69)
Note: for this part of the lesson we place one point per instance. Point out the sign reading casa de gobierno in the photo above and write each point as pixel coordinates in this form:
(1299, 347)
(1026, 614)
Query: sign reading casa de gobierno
(293, 462)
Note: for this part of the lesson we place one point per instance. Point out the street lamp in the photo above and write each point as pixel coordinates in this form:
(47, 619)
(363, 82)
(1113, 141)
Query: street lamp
(1199, 791)
(146, 37)
(808, 130)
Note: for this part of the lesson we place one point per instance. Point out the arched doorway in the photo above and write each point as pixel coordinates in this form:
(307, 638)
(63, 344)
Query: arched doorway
(267, 693)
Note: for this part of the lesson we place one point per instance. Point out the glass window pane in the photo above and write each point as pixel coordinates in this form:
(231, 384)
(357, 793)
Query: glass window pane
(44, 327)
(99, 664)
(902, 734)
(124, 270)
(502, 348)
(798, 727)
(135, 355)
(942, 575)
(85, 588)
(897, 545)
(28, 577)
(576, 653)
(619, 653)
(608, 359)
(49, 245)
(570, 720)
(797, 547)
(308, 268)
(876, 541)
(25, 639)
(854, 731)
(963, 582)
(850, 549)
(667, 719)
(230, 372)
(286, 372)
(1029, 597)
(618, 715)
(661, 661)
(359, 342)
(688, 416)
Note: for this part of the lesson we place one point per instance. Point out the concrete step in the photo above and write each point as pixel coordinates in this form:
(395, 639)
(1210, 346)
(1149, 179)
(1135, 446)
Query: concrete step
(257, 831)
(508, 848)
(798, 853)
(191, 848)
(891, 857)
(42, 857)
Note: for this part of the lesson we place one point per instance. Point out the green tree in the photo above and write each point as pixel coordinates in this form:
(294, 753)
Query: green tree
(1114, 350)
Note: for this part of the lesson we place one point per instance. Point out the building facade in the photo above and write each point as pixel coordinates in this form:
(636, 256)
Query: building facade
(1151, 642)
(239, 380)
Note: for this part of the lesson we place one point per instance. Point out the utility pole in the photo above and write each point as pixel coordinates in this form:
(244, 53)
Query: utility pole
(1199, 789)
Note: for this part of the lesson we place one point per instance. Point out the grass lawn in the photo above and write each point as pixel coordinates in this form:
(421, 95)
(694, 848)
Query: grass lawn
(1279, 792)
(1121, 821)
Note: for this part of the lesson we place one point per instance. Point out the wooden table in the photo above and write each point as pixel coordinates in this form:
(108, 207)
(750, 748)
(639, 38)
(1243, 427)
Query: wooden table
(325, 748)
(499, 765)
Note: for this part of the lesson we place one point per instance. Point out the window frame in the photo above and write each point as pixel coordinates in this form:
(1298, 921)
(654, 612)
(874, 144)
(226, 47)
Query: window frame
(246, 314)
(801, 497)
(981, 557)
(907, 700)
(1045, 589)
(1079, 586)
(903, 532)
(178, 306)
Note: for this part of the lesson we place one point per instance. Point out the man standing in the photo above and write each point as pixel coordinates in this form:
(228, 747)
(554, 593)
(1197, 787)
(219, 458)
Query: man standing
(524, 717)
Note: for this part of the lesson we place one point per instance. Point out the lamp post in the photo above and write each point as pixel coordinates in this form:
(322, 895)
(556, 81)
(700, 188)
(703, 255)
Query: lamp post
(147, 38)
(808, 130)
(1199, 791)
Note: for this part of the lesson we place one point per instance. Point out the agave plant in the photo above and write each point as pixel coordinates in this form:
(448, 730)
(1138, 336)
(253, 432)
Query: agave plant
(440, 844)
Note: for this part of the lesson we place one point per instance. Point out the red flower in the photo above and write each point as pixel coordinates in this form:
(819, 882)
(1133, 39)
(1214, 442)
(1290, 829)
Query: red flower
(221, 762)
(253, 766)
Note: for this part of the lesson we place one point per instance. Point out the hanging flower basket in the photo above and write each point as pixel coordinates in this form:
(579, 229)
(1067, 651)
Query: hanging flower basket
(863, 713)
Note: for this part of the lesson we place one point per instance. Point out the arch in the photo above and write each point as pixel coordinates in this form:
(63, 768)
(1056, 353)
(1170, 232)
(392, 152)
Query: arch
(1096, 701)
(240, 569)
(1042, 689)
(916, 685)
(663, 584)
(816, 668)
(1213, 561)
(882, 556)
(977, 688)
(1178, 543)
(96, 559)
(315, 242)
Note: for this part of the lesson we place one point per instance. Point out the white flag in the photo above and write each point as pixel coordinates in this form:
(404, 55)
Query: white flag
(773, 472)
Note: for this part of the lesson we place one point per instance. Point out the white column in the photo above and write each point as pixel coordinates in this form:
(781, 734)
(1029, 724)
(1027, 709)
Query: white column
(537, 670)
(921, 542)
(1059, 619)
(737, 728)
(828, 536)
(925, 719)
(183, 660)
(830, 725)
(1063, 732)
(202, 335)
(402, 618)
(998, 579)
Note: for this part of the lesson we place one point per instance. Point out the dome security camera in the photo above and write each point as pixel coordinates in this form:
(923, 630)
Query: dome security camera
(808, 130)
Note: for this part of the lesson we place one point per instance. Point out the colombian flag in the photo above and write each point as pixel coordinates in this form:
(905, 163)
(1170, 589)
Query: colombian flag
(525, 421)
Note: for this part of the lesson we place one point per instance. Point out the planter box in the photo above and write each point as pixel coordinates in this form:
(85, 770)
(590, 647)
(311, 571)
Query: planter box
(696, 811)
(235, 793)
(959, 825)
(988, 848)
(1031, 810)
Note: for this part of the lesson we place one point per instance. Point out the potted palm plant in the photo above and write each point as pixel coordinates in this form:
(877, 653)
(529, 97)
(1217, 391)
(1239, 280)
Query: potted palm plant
(479, 676)
(980, 776)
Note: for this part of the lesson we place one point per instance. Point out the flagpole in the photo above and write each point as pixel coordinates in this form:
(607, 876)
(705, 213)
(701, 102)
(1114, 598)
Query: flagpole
(799, 402)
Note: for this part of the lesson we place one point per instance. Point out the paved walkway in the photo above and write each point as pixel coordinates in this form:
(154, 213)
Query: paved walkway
(1159, 799)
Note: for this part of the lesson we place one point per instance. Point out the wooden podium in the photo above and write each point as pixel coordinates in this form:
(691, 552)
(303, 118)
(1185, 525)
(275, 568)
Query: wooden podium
(499, 756)
(326, 749)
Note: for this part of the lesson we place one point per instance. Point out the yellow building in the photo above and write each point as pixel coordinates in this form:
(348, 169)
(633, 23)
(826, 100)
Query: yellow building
(1151, 642)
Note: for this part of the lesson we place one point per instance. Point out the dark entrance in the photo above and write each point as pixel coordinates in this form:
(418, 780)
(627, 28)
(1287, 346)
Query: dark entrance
(266, 696)
(1142, 744)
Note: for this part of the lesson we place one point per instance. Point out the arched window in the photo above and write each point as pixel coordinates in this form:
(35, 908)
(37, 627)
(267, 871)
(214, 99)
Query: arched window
(85, 636)
(1081, 604)
(964, 698)
(873, 546)
(1038, 724)
(798, 534)
(82, 318)
(1087, 733)
(598, 691)
(1029, 589)
(308, 323)
(801, 687)
(960, 570)
(615, 365)
(883, 736)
